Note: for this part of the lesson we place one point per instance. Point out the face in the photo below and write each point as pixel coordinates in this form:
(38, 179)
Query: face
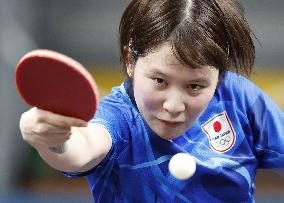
(169, 95)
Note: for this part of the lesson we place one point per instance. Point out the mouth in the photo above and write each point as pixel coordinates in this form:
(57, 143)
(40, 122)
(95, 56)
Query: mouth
(171, 124)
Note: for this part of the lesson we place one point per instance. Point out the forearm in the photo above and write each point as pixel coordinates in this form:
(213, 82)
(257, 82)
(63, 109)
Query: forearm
(73, 157)
(83, 151)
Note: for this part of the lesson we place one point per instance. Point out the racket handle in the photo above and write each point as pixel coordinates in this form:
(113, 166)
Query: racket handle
(58, 149)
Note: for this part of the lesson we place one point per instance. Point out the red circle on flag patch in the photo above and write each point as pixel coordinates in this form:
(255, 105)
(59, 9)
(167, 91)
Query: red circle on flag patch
(217, 126)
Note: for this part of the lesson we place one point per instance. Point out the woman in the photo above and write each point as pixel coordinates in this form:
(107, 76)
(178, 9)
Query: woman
(180, 95)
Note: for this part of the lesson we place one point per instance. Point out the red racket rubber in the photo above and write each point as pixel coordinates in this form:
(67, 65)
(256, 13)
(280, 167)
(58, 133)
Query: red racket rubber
(54, 82)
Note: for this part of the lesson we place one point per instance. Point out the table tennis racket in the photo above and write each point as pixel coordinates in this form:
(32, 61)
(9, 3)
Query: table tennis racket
(55, 82)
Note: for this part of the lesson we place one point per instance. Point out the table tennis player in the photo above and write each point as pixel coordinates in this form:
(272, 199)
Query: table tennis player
(185, 91)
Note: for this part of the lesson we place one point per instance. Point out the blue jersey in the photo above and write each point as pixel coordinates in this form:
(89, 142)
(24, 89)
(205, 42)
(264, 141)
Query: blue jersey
(241, 130)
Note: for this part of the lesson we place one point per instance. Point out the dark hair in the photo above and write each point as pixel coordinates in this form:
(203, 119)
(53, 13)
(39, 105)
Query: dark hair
(202, 32)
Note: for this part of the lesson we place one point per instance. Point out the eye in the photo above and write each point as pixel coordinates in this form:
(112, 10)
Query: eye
(195, 87)
(159, 81)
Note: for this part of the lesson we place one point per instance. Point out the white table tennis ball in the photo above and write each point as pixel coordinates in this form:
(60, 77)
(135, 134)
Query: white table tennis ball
(182, 166)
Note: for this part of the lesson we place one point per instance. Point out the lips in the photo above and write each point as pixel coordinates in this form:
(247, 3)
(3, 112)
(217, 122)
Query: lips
(170, 123)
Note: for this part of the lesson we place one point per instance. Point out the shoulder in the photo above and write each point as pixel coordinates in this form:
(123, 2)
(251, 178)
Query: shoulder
(238, 84)
(116, 113)
(237, 88)
(246, 97)
(116, 103)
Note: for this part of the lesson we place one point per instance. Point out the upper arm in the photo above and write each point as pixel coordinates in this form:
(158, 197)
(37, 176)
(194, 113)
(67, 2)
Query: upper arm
(267, 121)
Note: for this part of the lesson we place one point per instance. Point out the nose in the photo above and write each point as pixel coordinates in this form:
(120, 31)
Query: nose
(174, 105)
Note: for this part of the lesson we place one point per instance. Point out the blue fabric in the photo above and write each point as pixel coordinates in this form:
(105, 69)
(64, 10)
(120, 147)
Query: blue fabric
(136, 168)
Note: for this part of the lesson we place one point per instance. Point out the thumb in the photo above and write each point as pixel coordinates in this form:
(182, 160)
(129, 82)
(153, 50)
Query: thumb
(61, 120)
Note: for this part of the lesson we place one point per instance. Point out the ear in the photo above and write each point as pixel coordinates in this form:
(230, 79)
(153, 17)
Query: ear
(129, 63)
(130, 70)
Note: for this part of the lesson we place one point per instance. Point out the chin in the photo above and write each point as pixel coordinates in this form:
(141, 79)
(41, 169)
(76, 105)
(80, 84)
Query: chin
(169, 135)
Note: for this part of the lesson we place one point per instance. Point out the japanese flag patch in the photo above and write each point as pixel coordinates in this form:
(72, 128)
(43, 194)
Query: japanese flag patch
(220, 132)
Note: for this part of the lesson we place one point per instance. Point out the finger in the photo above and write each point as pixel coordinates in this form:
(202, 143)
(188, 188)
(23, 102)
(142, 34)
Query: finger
(54, 140)
(57, 142)
(45, 128)
(65, 135)
(54, 143)
(59, 120)
(47, 140)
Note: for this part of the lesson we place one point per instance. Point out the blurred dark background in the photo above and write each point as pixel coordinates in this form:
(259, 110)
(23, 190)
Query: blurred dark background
(87, 30)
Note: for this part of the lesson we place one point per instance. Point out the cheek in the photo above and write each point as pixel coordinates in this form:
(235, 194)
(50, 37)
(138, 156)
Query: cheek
(199, 104)
(146, 98)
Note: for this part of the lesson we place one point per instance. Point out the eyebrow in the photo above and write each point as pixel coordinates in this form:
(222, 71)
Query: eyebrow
(200, 80)
(195, 80)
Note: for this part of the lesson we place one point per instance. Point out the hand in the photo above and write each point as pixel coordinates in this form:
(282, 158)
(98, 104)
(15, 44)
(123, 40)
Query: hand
(43, 128)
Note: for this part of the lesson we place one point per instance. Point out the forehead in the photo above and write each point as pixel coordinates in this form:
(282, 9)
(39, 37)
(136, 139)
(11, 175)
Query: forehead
(164, 61)
(165, 52)
(160, 59)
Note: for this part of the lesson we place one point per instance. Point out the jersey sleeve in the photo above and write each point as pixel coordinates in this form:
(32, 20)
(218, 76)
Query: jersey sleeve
(267, 123)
